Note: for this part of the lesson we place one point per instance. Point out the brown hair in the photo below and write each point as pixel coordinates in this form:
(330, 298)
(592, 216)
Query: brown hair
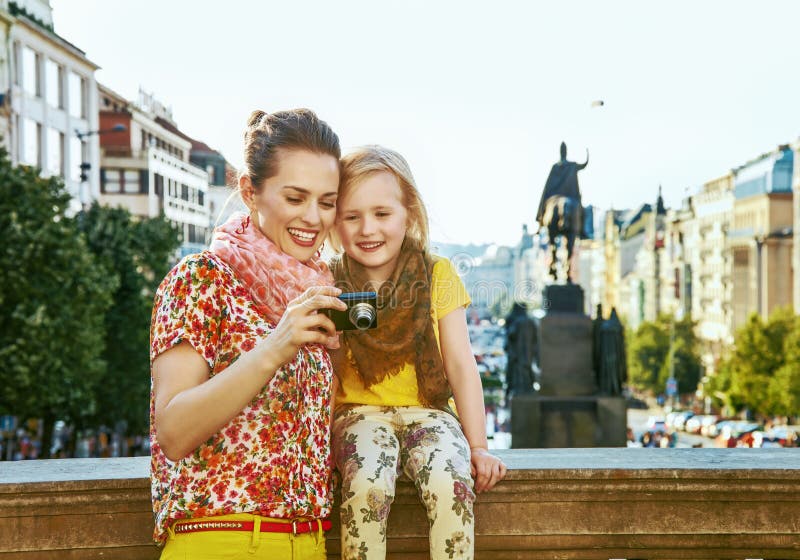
(296, 129)
(368, 160)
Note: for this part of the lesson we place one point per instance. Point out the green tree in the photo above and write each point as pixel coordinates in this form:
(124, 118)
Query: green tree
(138, 252)
(647, 351)
(784, 388)
(660, 348)
(54, 299)
(683, 358)
(761, 372)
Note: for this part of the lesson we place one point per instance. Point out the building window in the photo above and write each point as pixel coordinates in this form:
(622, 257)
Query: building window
(32, 143)
(76, 87)
(30, 72)
(55, 152)
(131, 182)
(112, 182)
(17, 54)
(53, 84)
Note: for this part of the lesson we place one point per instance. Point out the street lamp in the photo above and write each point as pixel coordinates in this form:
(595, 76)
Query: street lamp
(85, 166)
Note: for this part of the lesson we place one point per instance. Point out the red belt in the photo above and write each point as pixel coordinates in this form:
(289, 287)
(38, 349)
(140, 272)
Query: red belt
(295, 527)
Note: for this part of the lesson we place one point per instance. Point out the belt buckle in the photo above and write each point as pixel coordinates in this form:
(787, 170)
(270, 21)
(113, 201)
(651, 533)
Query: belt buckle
(294, 527)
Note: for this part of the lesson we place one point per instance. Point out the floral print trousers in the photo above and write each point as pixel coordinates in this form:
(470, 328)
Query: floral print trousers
(372, 445)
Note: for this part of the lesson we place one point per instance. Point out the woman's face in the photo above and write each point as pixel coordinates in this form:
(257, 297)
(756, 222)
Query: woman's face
(372, 223)
(296, 208)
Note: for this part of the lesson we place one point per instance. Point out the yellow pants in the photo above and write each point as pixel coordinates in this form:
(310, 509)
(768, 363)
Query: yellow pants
(224, 545)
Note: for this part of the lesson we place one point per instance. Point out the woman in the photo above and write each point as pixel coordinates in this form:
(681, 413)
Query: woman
(241, 377)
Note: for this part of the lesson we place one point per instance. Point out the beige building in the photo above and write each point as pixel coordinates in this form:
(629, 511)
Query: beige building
(611, 255)
(760, 239)
(796, 227)
(709, 262)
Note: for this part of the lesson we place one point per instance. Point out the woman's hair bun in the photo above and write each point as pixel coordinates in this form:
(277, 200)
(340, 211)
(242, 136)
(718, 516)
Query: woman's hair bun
(255, 117)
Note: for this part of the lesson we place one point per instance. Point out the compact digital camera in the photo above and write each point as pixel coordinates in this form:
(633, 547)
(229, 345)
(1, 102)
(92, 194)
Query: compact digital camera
(361, 313)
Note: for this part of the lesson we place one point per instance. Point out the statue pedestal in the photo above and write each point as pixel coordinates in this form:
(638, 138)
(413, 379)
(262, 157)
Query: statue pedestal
(568, 410)
(547, 422)
(565, 354)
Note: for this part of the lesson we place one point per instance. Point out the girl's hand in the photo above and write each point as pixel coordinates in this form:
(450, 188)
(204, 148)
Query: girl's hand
(487, 470)
(302, 323)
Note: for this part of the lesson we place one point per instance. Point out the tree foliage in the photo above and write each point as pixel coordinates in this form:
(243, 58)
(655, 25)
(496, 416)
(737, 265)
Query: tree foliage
(762, 371)
(660, 348)
(138, 254)
(54, 298)
(76, 300)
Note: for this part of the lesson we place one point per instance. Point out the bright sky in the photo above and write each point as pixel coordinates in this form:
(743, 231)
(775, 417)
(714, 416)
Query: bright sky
(476, 95)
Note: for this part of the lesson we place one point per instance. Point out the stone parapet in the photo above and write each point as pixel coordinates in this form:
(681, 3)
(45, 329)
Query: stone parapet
(554, 504)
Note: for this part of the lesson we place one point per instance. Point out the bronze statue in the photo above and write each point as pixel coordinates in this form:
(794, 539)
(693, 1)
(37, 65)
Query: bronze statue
(560, 209)
(521, 351)
(610, 360)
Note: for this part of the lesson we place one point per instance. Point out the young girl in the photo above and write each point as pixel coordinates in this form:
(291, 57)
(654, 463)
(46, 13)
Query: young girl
(395, 382)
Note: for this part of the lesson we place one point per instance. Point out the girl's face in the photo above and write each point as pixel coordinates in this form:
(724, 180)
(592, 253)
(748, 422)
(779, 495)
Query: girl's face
(372, 222)
(296, 208)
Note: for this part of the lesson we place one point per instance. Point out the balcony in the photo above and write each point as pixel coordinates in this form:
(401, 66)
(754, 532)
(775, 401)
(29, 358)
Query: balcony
(554, 504)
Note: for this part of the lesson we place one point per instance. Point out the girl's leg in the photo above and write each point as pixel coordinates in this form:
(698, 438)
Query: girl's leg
(436, 457)
(366, 452)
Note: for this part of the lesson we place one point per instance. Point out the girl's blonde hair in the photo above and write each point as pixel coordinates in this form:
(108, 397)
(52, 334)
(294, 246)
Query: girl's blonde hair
(364, 161)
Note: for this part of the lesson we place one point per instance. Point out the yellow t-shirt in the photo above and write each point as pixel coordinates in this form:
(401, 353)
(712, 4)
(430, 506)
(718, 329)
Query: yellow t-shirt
(447, 294)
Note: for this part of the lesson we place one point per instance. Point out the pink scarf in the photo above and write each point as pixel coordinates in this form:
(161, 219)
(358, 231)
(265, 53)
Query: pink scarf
(272, 277)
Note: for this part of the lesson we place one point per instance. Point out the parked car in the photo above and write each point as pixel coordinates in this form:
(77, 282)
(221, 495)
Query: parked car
(714, 429)
(695, 424)
(709, 420)
(777, 436)
(680, 419)
(737, 434)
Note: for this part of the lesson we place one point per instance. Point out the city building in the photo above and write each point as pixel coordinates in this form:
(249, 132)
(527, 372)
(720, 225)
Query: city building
(222, 195)
(707, 256)
(146, 167)
(634, 264)
(761, 236)
(590, 262)
(489, 280)
(51, 109)
(612, 222)
(676, 287)
(796, 227)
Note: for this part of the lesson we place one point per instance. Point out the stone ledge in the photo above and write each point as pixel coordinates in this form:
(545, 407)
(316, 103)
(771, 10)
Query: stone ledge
(555, 503)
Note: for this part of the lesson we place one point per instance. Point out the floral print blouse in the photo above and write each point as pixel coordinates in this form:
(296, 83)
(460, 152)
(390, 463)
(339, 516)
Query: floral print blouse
(273, 458)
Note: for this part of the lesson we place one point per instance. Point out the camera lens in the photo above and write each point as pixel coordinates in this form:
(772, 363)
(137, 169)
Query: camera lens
(362, 315)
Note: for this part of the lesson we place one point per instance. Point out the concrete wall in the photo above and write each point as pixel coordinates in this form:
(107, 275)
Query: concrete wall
(554, 503)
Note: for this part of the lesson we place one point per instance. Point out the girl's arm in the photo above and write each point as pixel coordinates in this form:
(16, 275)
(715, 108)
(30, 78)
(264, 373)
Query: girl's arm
(462, 374)
(190, 407)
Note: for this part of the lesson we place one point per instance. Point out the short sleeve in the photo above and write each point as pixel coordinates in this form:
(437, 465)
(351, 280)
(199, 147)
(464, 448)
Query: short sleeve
(188, 307)
(447, 290)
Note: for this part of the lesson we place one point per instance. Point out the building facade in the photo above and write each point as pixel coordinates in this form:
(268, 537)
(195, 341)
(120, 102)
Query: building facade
(146, 167)
(709, 258)
(52, 111)
(796, 227)
(761, 239)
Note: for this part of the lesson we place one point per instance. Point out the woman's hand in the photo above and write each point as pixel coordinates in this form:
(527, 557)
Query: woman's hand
(487, 470)
(302, 324)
